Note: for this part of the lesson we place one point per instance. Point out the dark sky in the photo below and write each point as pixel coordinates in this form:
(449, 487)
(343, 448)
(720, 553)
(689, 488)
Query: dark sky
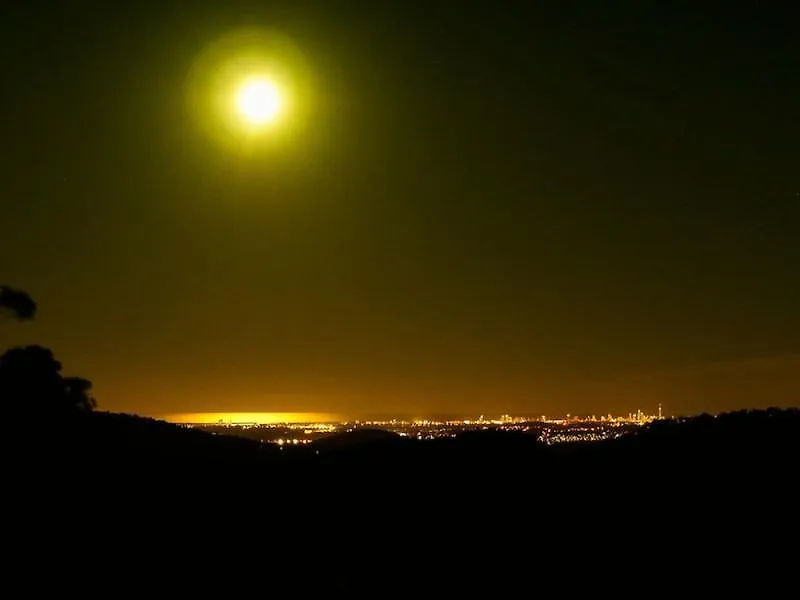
(541, 207)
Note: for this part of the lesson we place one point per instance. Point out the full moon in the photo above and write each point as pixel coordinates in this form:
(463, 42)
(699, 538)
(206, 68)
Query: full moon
(251, 92)
(258, 101)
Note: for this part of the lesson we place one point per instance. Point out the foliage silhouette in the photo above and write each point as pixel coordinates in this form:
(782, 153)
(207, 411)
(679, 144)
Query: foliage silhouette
(78, 392)
(21, 306)
(31, 382)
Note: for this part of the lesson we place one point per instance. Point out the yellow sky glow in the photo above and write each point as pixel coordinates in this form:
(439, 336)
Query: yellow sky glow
(263, 418)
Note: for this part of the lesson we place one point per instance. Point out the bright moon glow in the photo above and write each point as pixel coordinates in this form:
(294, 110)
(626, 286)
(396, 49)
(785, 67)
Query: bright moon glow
(250, 91)
(258, 101)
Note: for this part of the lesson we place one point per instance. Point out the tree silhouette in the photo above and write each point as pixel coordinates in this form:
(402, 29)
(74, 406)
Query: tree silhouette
(30, 376)
(78, 391)
(31, 382)
(18, 303)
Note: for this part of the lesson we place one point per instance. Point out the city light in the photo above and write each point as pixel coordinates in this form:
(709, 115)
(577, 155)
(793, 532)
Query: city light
(298, 429)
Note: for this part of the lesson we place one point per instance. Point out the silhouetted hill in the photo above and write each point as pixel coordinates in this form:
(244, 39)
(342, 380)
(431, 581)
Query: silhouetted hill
(118, 440)
(729, 441)
(708, 458)
(368, 507)
(361, 439)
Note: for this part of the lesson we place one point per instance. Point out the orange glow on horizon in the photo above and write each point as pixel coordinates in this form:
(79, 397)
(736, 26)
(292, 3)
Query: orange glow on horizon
(263, 418)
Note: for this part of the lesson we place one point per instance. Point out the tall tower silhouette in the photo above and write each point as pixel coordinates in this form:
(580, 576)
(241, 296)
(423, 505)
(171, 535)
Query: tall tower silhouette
(659, 410)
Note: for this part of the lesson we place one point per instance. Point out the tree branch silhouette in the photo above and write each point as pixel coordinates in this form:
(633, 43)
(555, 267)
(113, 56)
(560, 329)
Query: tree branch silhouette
(16, 302)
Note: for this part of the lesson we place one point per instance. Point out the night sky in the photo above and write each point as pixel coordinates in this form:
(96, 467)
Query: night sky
(523, 207)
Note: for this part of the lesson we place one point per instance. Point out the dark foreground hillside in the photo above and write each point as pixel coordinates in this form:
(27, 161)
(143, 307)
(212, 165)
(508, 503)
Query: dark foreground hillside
(735, 449)
(699, 496)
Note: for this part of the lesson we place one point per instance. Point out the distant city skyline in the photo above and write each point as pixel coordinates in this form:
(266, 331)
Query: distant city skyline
(298, 430)
(282, 418)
